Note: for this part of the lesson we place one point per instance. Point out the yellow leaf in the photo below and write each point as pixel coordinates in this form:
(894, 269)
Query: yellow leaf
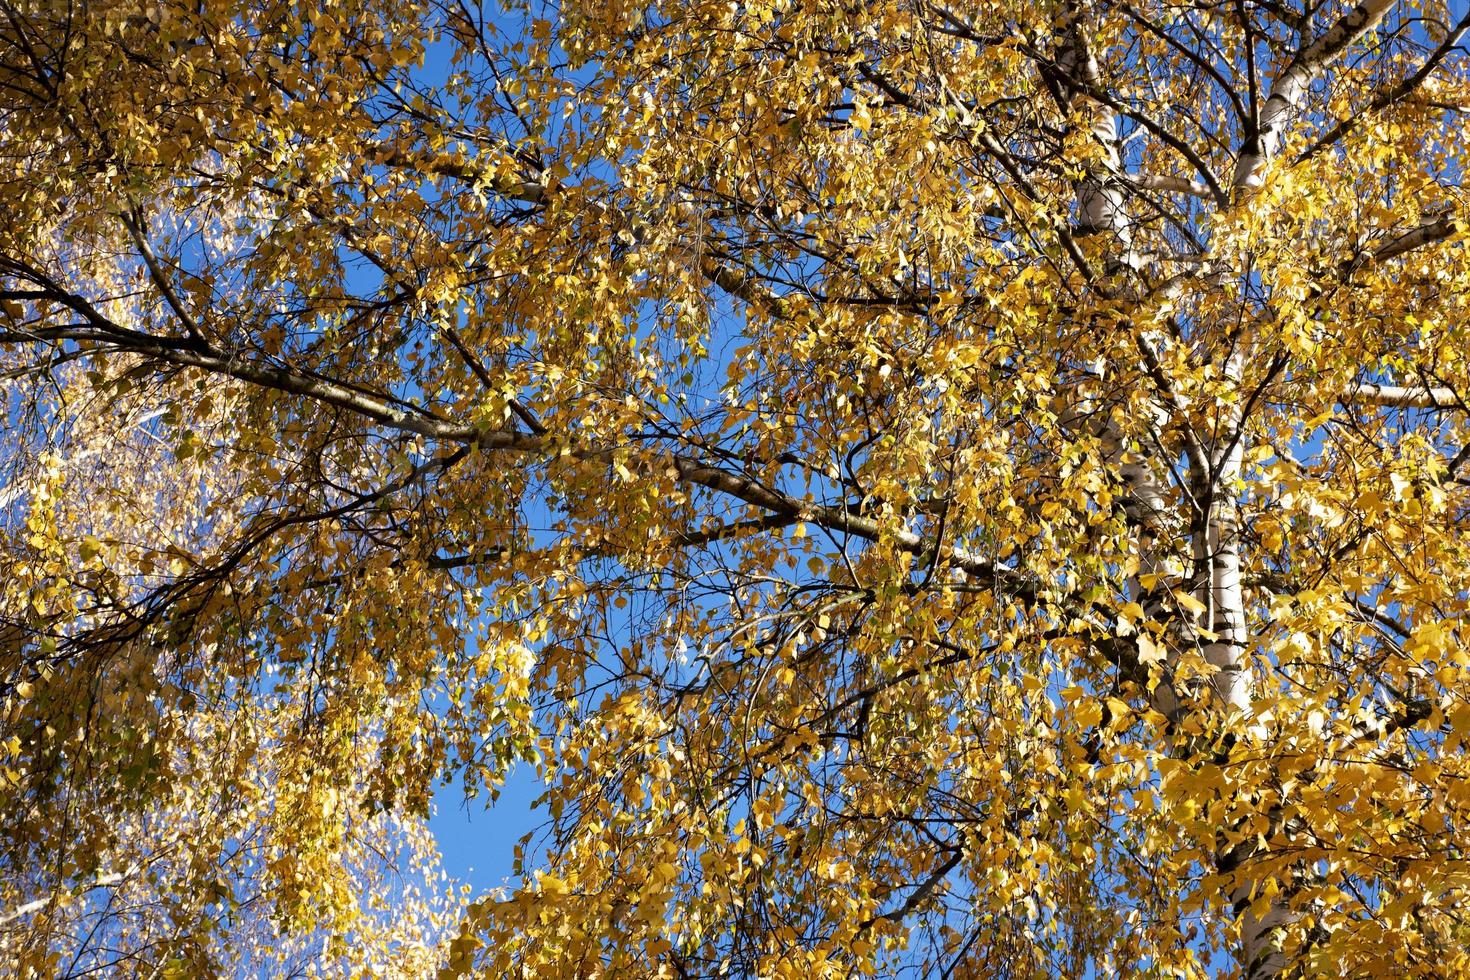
(1189, 602)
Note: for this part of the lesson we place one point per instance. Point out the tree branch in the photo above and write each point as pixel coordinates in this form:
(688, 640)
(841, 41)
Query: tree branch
(1399, 396)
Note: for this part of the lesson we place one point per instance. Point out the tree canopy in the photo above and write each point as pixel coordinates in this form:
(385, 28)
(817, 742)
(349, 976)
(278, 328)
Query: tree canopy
(931, 488)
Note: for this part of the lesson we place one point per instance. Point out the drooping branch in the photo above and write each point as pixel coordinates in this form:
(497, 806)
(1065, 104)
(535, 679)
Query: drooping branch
(378, 408)
(37, 905)
(382, 411)
(1391, 94)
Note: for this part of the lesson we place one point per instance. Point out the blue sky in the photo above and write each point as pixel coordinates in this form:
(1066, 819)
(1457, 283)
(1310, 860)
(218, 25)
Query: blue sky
(477, 838)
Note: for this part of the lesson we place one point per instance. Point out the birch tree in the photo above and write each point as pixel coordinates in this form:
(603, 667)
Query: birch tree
(959, 488)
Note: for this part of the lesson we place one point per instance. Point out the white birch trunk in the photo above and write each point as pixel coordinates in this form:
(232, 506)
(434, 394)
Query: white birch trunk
(1260, 954)
(1226, 649)
(1223, 635)
(1101, 210)
(1218, 551)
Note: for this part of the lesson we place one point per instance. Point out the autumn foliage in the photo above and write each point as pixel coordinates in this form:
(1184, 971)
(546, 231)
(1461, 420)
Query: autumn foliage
(932, 488)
